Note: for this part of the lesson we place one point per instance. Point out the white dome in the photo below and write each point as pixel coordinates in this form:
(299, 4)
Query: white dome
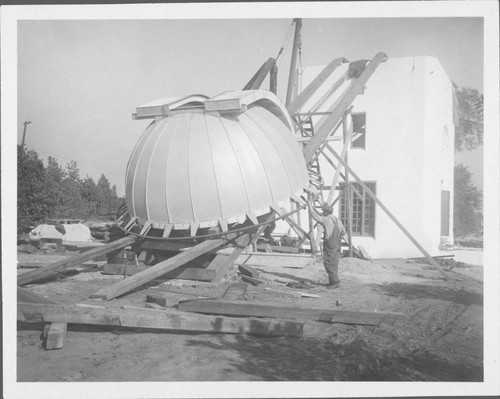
(204, 168)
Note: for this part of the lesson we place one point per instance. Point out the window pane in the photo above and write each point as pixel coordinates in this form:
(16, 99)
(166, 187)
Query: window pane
(363, 210)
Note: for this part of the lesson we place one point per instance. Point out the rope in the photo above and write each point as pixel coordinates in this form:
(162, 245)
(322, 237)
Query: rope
(284, 44)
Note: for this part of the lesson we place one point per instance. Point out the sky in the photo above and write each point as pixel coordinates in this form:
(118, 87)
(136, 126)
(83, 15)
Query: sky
(79, 81)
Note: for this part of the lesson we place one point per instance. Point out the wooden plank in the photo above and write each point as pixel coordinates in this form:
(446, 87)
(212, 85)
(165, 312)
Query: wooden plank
(364, 252)
(168, 299)
(391, 216)
(164, 245)
(25, 295)
(262, 309)
(326, 128)
(157, 319)
(248, 271)
(158, 270)
(290, 250)
(251, 280)
(235, 291)
(271, 259)
(53, 335)
(296, 294)
(222, 263)
(49, 270)
(184, 273)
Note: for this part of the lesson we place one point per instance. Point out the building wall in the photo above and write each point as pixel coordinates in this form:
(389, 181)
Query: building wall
(408, 105)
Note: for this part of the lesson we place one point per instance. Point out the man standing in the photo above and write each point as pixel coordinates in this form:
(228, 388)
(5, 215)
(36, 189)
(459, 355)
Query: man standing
(333, 232)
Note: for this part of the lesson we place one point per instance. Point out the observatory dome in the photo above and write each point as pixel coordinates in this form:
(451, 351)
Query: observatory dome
(206, 162)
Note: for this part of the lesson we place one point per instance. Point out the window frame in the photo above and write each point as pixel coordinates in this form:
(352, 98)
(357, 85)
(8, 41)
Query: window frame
(363, 209)
(352, 146)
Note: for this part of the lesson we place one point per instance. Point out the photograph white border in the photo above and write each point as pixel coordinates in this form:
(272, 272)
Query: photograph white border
(485, 9)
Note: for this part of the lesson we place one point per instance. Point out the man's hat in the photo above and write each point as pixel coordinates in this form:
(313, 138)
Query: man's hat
(327, 208)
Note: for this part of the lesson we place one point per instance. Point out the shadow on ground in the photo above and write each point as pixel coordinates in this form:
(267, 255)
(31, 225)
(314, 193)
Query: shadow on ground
(281, 359)
(420, 291)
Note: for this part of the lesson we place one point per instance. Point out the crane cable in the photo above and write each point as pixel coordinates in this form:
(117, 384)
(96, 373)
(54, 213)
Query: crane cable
(284, 44)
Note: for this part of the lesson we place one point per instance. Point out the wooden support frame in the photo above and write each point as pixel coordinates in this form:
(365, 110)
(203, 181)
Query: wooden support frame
(49, 270)
(356, 88)
(158, 270)
(391, 216)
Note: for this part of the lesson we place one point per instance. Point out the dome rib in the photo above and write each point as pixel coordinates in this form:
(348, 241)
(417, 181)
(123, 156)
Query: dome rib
(139, 156)
(251, 139)
(231, 143)
(213, 167)
(189, 165)
(278, 152)
(148, 170)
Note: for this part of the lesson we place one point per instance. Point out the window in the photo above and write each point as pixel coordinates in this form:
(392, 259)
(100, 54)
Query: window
(358, 130)
(445, 213)
(363, 210)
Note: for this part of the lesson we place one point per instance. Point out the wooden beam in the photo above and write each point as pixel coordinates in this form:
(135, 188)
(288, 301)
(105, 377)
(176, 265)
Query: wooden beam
(185, 273)
(391, 216)
(347, 143)
(263, 309)
(49, 270)
(25, 295)
(235, 291)
(337, 113)
(260, 75)
(168, 320)
(223, 262)
(158, 270)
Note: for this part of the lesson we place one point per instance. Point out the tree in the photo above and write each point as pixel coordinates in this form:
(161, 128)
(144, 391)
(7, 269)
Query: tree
(33, 203)
(468, 202)
(55, 176)
(469, 132)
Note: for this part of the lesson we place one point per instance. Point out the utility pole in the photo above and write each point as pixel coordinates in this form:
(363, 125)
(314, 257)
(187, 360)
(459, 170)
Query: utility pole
(24, 132)
(292, 79)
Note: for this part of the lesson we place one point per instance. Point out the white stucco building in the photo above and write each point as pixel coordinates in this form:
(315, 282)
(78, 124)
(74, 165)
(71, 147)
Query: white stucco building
(403, 146)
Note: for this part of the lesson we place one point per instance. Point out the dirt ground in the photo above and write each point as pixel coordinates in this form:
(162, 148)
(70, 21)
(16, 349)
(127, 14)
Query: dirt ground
(440, 340)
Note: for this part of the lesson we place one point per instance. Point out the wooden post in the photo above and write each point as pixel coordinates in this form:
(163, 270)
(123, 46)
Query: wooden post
(53, 335)
(46, 271)
(349, 215)
(391, 216)
(312, 239)
(348, 187)
(292, 79)
(326, 128)
(347, 143)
